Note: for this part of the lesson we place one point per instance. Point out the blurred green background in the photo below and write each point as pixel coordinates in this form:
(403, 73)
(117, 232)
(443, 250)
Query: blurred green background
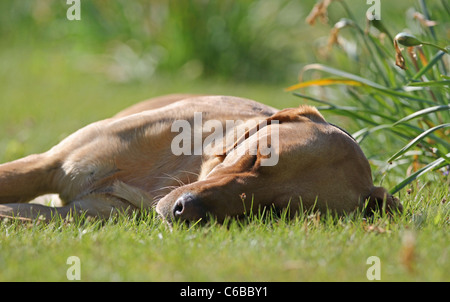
(58, 75)
(259, 40)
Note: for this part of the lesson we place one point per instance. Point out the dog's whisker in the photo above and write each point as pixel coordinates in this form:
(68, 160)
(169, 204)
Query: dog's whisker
(179, 182)
(165, 188)
(190, 172)
(157, 198)
(177, 179)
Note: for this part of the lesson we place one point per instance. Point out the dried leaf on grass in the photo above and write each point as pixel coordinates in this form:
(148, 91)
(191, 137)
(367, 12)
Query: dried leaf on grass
(399, 59)
(319, 11)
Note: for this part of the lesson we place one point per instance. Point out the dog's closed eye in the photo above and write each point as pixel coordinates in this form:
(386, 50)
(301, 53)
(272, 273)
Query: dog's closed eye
(245, 163)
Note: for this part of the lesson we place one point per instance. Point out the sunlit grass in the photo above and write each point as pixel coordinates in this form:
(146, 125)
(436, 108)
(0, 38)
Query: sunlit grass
(269, 247)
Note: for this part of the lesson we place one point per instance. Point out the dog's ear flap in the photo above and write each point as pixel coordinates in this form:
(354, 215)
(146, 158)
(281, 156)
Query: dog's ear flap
(380, 199)
(257, 127)
(297, 115)
(282, 116)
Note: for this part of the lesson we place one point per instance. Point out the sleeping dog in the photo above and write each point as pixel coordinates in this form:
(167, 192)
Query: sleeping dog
(188, 157)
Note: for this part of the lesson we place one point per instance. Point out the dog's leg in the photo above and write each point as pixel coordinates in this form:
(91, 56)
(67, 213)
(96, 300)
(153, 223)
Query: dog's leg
(93, 205)
(27, 178)
(32, 211)
(119, 198)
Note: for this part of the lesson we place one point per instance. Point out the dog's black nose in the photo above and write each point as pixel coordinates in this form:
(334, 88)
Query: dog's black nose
(187, 208)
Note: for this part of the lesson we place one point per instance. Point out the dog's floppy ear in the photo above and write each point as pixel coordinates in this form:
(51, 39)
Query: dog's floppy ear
(283, 116)
(297, 115)
(260, 125)
(380, 199)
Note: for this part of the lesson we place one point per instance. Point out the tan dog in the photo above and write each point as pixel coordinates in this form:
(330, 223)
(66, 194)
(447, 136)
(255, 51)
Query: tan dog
(128, 163)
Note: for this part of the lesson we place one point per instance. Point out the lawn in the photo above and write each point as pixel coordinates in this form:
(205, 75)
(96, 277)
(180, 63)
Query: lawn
(410, 247)
(50, 87)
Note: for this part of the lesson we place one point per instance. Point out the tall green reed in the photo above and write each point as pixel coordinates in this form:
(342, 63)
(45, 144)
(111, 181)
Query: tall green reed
(399, 95)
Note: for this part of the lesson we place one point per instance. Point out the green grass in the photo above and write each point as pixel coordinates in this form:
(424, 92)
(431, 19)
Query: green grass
(411, 247)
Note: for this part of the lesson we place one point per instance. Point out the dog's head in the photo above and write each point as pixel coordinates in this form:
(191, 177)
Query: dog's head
(310, 163)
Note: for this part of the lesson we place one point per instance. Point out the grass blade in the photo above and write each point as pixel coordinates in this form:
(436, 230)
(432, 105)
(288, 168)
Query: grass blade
(415, 141)
(343, 74)
(423, 112)
(417, 174)
(430, 83)
(323, 82)
(366, 131)
(424, 69)
(363, 81)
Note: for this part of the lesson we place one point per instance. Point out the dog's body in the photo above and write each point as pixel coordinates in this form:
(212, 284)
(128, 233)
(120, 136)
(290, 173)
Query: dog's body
(126, 163)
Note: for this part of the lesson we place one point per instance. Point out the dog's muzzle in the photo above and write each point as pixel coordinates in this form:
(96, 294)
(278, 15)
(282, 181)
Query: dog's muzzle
(186, 208)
